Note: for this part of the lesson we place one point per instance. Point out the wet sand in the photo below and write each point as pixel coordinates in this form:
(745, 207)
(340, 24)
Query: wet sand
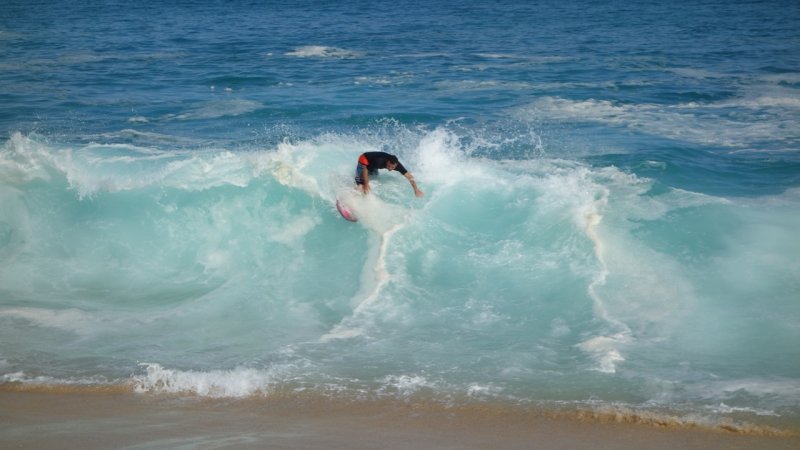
(97, 420)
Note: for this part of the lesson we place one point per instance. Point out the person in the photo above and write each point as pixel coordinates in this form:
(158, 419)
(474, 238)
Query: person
(370, 162)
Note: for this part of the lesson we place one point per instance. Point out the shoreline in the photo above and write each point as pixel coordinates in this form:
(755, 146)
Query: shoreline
(115, 418)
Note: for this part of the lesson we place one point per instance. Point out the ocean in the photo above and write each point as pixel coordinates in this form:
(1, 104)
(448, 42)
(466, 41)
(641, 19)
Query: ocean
(610, 219)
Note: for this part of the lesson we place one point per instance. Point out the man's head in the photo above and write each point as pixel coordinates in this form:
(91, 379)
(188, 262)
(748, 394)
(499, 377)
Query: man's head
(391, 162)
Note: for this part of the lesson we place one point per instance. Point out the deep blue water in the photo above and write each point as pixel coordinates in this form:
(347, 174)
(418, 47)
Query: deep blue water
(610, 215)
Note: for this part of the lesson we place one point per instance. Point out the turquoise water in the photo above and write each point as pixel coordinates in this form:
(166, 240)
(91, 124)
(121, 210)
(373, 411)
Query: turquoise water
(610, 215)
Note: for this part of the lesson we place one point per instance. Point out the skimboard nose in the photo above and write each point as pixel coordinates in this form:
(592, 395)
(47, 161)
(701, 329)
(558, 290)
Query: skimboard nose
(345, 211)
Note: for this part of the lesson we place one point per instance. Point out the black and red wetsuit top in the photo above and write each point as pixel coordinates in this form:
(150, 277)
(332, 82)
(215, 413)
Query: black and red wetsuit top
(374, 161)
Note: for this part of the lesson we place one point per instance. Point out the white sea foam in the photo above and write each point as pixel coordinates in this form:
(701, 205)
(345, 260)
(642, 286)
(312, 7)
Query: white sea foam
(692, 72)
(787, 77)
(239, 382)
(572, 190)
(722, 408)
(526, 58)
(437, 152)
(322, 51)
(694, 122)
(405, 385)
(23, 159)
(638, 294)
(483, 315)
(72, 320)
(119, 167)
(292, 166)
(766, 98)
(131, 136)
(44, 380)
(293, 230)
(219, 108)
(606, 350)
(391, 79)
(559, 328)
(736, 395)
(643, 294)
(483, 390)
(479, 85)
(374, 277)
(89, 175)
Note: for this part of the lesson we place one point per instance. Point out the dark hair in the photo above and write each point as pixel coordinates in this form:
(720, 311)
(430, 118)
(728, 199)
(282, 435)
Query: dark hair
(392, 159)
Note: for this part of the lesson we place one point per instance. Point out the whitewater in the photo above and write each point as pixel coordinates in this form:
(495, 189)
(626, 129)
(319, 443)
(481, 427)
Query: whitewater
(607, 227)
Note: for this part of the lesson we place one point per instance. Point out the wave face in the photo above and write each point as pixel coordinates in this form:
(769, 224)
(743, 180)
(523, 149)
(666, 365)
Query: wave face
(610, 214)
(231, 273)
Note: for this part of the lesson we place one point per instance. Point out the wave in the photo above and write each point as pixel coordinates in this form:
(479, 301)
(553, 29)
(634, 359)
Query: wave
(219, 383)
(410, 393)
(231, 274)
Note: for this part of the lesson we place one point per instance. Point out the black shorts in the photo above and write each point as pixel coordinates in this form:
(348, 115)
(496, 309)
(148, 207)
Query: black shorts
(360, 169)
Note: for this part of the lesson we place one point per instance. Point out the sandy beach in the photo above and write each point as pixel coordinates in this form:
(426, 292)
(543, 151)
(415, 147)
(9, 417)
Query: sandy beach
(94, 420)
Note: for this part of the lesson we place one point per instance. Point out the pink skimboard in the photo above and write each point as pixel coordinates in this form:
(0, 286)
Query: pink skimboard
(345, 211)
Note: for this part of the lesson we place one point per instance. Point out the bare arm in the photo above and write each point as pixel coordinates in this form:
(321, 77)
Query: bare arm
(410, 179)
